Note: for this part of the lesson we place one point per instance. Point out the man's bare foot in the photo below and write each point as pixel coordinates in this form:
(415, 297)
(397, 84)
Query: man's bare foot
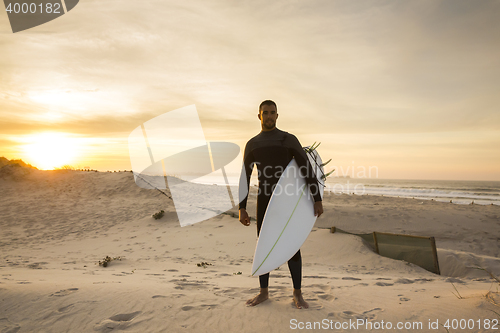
(298, 300)
(261, 297)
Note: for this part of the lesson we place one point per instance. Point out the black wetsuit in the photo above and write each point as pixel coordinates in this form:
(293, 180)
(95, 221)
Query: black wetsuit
(271, 151)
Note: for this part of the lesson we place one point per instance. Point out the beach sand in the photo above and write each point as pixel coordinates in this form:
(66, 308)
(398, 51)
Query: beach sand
(57, 225)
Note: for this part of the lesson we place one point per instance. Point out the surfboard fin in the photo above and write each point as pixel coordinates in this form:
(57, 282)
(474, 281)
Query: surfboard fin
(328, 174)
(326, 162)
(308, 149)
(312, 147)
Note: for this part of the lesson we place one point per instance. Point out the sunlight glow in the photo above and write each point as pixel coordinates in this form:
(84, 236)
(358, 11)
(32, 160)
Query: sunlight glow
(51, 150)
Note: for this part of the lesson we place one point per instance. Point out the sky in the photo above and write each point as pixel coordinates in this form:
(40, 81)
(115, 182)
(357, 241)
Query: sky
(405, 89)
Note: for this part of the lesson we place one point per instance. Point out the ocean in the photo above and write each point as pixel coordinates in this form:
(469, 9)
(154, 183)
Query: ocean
(458, 191)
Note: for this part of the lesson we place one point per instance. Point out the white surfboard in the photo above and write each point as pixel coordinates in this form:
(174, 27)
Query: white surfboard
(289, 217)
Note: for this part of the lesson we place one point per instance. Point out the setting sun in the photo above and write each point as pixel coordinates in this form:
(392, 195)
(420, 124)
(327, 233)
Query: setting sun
(51, 150)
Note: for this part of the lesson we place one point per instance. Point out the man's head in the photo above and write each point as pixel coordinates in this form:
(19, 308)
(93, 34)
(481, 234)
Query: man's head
(268, 113)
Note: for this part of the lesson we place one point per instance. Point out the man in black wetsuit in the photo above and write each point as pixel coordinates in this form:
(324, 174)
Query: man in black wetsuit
(271, 151)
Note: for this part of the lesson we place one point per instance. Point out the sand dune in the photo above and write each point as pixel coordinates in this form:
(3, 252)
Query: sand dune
(57, 225)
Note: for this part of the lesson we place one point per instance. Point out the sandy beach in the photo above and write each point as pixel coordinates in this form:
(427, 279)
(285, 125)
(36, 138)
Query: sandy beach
(57, 225)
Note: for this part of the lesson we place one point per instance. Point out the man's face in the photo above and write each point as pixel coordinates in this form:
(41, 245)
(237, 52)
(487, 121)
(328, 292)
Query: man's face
(268, 116)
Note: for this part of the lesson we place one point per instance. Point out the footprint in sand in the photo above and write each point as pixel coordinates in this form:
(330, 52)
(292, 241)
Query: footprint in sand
(37, 265)
(351, 314)
(233, 292)
(65, 308)
(424, 280)
(8, 327)
(182, 284)
(329, 298)
(323, 293)
(64, 292)
(371, 314)
(118, 322)
(323, 287)
(125, 316)
(199, 307)
(366, 315)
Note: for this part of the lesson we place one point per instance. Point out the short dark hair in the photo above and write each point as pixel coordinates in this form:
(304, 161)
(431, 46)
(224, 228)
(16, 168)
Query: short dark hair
(267, 102)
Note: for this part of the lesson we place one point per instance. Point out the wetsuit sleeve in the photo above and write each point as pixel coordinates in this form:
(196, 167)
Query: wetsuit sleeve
(246, 172)
(305, 167)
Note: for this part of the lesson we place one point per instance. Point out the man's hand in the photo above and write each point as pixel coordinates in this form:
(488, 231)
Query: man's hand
(244, 218)
(318, 209)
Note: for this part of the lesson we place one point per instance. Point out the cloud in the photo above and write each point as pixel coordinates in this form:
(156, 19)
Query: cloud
(345, 67)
